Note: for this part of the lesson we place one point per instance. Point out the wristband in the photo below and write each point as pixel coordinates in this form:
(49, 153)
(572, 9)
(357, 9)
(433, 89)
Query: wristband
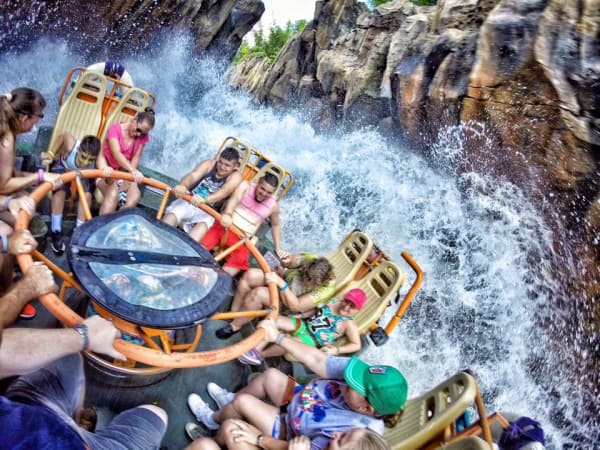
(284, 287)
(205, 198)
(41, 175)
(226, 214)
(51, 154)
(82, 329)
(280, 338)
(6, 202)
(4, 238)
(259, 440)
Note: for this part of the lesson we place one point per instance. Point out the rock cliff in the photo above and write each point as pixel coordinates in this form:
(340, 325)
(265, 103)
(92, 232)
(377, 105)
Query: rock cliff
(127, 26)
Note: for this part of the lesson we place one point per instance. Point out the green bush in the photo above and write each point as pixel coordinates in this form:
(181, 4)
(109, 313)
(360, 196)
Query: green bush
(268, 47)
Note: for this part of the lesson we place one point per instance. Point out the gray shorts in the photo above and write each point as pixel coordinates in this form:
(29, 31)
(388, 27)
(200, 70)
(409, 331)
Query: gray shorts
(59, 387)
(189, 215)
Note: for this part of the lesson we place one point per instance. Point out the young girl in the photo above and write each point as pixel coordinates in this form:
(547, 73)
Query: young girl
(320, 329)
(69, 154)
(123, 148)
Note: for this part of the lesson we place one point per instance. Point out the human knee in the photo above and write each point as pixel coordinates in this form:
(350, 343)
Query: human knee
(272, 375)
(161, 413)
(203, 443)
(257, 296)
(243, 402)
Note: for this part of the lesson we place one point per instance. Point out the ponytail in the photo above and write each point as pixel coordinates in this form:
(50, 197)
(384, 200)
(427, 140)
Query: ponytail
(146, 116)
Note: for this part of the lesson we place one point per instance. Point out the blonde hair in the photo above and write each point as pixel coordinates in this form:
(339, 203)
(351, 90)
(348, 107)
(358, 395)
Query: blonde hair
(369, 440)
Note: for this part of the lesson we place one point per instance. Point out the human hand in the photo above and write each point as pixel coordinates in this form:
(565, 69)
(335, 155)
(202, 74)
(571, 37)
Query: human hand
(299, 443)
(39, 280)
(102, 334)
(108, 171)
(23, 202)
(137, 175)
(330, 350)
(272, 277)
(245, 432)
(45, 157)
(286, 258)
(270, 328)
(196, 200)
(53, 178)
(180, 190)
(226, 220)
(21, 241)
(282, 254)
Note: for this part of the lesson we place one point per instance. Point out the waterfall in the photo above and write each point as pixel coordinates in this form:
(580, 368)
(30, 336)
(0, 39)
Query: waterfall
(480, 242)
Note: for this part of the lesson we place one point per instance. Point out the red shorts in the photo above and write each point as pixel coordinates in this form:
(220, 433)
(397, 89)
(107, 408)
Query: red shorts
(238, 259)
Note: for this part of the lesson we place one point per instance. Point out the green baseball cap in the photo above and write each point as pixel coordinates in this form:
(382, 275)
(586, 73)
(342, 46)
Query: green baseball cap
(384, 387)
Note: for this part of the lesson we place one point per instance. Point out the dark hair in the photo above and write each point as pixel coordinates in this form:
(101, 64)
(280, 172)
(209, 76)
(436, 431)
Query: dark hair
(24, 101)
(147, 116)
(318, 271)
(269, 178)
(230, 154)
(90, 144)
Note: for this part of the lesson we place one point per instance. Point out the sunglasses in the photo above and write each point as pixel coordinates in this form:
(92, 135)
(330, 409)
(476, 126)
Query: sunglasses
(86, 158)
(140, 132)
(349, 304)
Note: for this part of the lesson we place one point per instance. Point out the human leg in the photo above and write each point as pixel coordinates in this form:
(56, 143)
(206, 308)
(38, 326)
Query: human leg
(198, 231)
(110, 191)
(133, 195)
(248, 407)
(203, 443)
(256, 299)
(273, 385)
(252, 278)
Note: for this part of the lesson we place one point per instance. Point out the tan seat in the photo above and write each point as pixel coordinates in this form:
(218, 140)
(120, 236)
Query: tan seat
(349, 257)
(134, 101)
(244, 150)
(426, 416)
(466, 443)
(81, 113)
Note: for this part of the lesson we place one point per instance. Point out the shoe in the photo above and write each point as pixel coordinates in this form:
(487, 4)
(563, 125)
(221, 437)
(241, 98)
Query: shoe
(57, 243)
(253, 357)
(219, 395)
(226, 332)
(28, 312)
(202, 411)
(193, 431)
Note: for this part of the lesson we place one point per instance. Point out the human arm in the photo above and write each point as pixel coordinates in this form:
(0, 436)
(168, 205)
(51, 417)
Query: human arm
(192, 178)
(276, 229)
(233, 202)
(25, 350)
(14, 204)
(37, 281)
(312, 357)
(135, 163)
(243, 432)
(226, 190)
(64, 144)
(353, 337)
(295, 303)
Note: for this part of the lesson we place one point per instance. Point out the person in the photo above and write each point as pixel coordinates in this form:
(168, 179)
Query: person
(69, 154)
(40, 408)
(211, 182)
(123, 148)
(348, 393)
(112, 69)
(252, 203)
(309, 281)
(320, 329)
(240, 435)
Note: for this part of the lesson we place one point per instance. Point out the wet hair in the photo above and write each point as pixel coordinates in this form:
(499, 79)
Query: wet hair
(230, 154)
(146, 116)
(369, 440)
(91, 145)
(21, 101)
(391, 420)
(318, 271)
(269, 178)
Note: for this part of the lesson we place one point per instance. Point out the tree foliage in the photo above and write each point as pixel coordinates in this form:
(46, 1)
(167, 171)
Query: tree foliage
(269, 46)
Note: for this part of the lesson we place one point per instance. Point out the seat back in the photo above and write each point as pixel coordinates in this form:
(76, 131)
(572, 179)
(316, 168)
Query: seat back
(466, 443)
(278, 171)
(81, 112)
(380, 285)
(134, 101)
(244, 151)
(349, 257)
(426, 416)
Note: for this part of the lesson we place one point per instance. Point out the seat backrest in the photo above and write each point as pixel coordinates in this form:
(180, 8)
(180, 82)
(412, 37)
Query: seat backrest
(426, 416)
(135, 100)
(274, 169)
(349, 257)
(81, 112)
(380, 285)
(243, 149)
(466, 443)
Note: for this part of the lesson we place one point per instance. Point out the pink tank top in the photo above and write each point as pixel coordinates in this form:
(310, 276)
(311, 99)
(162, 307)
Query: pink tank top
(256, 212)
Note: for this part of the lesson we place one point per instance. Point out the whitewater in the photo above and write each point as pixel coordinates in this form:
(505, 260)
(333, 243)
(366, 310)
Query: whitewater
(477, 239)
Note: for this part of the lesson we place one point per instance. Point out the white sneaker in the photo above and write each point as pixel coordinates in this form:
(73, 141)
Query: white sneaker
(219, 395)
(202, 411)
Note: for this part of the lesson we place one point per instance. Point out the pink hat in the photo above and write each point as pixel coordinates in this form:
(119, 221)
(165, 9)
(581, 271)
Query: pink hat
(356, 296)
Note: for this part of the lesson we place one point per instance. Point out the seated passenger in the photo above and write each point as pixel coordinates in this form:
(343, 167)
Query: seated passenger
(211, 182)
(253, 203)
(309, 282)
(113, 70)
(347, 394)
(321, 328)
(69, 154)
(123, 148)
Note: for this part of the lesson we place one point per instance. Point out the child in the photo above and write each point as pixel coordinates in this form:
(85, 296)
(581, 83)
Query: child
(321, 329)
(69, 154)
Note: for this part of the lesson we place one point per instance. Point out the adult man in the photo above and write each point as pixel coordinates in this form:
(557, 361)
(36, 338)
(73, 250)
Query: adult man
(353, 395)
(248, 207)
(309, 282)
(40, 407)
(210, 182)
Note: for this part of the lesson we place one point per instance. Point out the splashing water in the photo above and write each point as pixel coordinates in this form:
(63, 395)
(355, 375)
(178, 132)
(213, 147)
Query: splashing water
(476, 239)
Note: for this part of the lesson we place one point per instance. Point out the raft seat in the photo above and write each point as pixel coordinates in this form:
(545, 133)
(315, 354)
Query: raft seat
(466, 443)
(243, 149)
(81, 112)
(348, 258)
(283, 177)
(425, 418)
(134, 101)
